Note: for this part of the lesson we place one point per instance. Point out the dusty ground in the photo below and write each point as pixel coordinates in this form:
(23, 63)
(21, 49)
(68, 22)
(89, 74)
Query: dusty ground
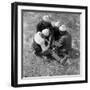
(34, 66)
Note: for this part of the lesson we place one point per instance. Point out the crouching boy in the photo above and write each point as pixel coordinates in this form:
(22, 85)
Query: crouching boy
(41, 43)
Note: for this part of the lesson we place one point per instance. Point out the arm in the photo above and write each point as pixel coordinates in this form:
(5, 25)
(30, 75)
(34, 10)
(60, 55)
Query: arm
(39, 27)
(44, 47)
(61, 41)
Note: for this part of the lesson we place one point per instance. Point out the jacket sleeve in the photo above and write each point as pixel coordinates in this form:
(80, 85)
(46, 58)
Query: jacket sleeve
(62, 40)
(65, 42)
(38, 27)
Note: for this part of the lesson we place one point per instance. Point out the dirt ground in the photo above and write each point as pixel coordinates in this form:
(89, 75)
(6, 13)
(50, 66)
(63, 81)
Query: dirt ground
(34, 66)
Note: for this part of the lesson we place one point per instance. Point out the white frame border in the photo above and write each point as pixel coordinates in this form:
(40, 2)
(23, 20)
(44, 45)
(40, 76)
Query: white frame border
(63, 78)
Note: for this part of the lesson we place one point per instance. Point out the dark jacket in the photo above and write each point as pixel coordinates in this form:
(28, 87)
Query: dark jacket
(65, 41)
(37, 48)
(43, 25)
(56, 33)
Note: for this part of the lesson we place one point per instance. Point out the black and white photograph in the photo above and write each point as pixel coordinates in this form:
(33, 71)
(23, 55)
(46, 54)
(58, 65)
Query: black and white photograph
(51, 44)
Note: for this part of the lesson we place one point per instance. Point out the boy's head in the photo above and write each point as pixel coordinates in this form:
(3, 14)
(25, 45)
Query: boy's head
(45, 32)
